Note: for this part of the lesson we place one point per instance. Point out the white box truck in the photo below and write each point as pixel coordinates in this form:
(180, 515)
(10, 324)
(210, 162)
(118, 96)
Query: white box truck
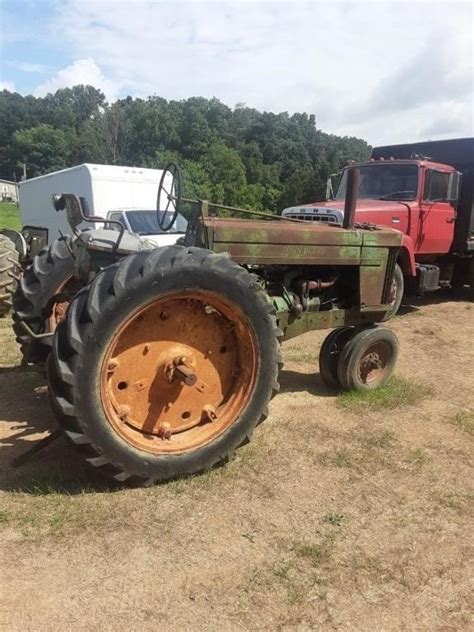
(105, 187)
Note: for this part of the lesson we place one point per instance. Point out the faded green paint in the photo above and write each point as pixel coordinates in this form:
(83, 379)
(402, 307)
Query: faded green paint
(290, 254)
(300, 244)
(266, 242)
(310, 321)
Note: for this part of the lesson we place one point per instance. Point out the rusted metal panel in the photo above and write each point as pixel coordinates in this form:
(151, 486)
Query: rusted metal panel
(232, 230)
(289, 254)
(353, 177)
(372, 275)
(387, 237)
(310, 321)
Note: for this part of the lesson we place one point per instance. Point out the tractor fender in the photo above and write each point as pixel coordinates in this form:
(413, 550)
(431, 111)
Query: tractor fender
(406, 256)
(19, 241)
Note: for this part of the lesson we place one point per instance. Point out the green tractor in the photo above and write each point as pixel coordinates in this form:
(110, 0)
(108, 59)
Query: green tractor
(167, 360)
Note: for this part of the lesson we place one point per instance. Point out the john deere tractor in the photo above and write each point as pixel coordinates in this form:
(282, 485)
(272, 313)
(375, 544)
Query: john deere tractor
(168, 359)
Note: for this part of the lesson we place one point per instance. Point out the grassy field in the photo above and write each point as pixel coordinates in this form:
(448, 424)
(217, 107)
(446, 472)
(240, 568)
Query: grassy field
(345, 512)
(9, 216)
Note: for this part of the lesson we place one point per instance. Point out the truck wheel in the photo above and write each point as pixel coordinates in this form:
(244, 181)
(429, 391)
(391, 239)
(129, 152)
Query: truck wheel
(164, 364)
(368, 359)
(396, 292)
(9, 273)
(42, 298)
(330, 353)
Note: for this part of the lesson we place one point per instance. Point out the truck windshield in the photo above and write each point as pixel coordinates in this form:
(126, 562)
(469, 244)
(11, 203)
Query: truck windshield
(146, 222)
(383, 182)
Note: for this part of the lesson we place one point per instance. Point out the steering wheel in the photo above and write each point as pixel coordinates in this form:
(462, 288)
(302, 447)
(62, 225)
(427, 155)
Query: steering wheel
(168, 200)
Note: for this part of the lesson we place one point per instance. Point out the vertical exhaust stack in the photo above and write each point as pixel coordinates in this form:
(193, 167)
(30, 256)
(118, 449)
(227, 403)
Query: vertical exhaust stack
(351, 197)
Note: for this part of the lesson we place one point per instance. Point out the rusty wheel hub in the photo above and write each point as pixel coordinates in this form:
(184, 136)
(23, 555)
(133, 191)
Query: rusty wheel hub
(179, 372)
(375, 362)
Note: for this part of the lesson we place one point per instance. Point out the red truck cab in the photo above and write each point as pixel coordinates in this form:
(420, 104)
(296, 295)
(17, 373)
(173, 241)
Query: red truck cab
(430, 200)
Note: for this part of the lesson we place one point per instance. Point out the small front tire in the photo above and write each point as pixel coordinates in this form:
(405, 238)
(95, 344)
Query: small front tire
(368, 359)
(330, 353)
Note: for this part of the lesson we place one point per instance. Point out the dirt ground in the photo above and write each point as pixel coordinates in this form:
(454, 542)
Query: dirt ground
(337, 516)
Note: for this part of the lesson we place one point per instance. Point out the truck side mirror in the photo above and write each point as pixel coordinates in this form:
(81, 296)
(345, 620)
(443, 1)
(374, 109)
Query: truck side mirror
(331, 184)
(454, 187)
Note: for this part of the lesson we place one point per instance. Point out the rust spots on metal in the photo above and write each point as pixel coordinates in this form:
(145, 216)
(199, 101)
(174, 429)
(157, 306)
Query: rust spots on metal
(375, 362)
(59, 303)
(276, 243)
(193, 382)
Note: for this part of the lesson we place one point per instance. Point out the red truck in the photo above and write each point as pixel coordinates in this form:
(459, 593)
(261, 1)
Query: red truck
(425, 190)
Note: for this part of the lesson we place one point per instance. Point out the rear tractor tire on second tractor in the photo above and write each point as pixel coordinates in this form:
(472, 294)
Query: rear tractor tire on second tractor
(9, 273)
(42, 298)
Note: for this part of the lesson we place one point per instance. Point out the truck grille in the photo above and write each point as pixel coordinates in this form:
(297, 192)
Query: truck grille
(326, 219)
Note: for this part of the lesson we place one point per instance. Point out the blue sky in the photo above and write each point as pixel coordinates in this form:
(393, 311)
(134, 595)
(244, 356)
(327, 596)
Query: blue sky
(386, 71)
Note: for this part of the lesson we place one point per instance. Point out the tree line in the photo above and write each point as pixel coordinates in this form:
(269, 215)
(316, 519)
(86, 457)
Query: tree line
(239, 156)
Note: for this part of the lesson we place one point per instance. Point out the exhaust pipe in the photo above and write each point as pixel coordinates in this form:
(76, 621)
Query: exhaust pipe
(350, 202)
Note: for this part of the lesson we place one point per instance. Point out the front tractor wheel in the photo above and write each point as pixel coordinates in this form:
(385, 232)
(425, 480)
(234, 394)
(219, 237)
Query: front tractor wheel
(330, 353)
(165, 364)
(368, 359)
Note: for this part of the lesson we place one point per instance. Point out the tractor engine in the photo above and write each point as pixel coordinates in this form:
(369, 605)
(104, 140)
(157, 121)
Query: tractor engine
(312, 289)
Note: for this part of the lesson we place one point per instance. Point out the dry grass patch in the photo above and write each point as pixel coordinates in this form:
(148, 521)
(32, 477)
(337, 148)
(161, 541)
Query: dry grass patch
(461, 502)
(464, 419)
(396, 393)
(298, 571)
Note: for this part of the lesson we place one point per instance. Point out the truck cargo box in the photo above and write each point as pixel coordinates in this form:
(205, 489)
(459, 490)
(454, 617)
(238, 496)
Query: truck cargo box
(105, 187)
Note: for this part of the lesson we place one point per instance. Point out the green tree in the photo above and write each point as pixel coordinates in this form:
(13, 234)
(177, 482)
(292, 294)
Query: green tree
(42, 148)
(237, 157)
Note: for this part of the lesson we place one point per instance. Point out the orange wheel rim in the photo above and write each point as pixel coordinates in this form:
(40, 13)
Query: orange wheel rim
(179, 372)
(375, 362)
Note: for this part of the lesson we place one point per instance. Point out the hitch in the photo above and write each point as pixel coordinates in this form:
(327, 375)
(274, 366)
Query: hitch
(34, 335)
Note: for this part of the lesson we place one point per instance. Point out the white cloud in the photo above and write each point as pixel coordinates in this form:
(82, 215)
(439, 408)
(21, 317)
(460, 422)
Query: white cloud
(388, 71)
(7, 85)
(81, 71)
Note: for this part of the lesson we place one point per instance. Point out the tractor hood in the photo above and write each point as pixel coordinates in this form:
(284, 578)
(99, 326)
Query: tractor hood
(288, 242)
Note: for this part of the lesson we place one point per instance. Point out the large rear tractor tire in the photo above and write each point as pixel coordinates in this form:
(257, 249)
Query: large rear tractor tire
(9, 273)
(42, 298)
(165, 364)
(397, 289)
(368, 359)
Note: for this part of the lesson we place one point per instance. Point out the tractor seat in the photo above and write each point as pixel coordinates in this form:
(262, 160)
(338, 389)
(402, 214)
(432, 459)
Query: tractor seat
(105, 239)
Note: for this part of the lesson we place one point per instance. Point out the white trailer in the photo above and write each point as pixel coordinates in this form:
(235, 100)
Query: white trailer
(105, 187)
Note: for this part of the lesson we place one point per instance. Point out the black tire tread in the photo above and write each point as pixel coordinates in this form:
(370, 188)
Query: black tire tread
(398, 275)
(38, 284)
(9, 273)
(327, 370)
(352, 348)
(85, 310)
